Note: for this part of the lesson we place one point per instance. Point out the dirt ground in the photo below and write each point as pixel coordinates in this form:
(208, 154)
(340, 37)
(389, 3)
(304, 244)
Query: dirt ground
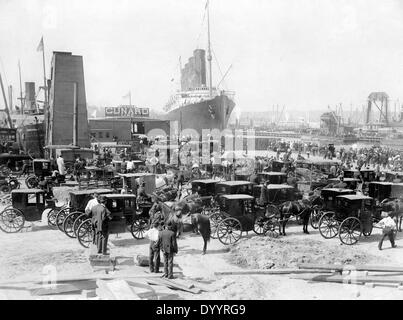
(31, 253)
(28, 254)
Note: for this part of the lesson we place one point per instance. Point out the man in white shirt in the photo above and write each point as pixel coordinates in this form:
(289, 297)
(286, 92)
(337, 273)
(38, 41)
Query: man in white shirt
(154, 253)
(92, 203)
(388, 226)
(60, 165)
(130, 166)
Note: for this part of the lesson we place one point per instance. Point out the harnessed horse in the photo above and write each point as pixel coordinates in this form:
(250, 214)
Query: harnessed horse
(297, 208)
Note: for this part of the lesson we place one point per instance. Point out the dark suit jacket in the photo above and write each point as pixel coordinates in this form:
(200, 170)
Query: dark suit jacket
(167, 242)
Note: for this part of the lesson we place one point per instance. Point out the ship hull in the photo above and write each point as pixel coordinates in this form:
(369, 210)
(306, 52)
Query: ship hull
(209, 114)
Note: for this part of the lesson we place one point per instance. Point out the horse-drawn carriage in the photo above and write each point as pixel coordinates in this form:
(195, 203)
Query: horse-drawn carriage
(27, 205)
(124, 218)
(353, 216)
(238, 213)
(350, 183)
(281, 166)
(234, 187)
(67, 219)
(328, 203)
(272, 177)
(206, 190)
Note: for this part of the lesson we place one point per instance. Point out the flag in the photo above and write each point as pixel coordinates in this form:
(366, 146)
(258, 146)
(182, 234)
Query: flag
(94, 114)
(127, 95)
(40, 46)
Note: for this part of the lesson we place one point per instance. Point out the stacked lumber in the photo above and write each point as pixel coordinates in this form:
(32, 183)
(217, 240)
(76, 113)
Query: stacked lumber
(387, 276)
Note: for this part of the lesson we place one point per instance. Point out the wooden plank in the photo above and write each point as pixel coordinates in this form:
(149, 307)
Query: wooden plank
(350, 279)
(164, 293)
(144, 291)
(173, 285)
(265, 271)
(115, 290)
(374, 268)
(64, 288)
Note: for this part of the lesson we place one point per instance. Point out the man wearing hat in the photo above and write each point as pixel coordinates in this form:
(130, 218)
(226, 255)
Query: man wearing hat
(388, 226)
(167, 243)
(100, 225)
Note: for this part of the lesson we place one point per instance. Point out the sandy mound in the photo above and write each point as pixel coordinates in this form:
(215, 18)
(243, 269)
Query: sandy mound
(268, 253)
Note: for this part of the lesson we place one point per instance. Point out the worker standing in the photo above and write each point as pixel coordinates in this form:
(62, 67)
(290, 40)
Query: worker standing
(167, 243)
(100, 225)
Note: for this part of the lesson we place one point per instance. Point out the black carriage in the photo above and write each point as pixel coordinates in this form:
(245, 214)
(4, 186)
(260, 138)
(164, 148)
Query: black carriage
(238, 213)
(351, 173)
(353, 216)
(131, 181)
(10, 162)
(68, 219)
(351, 183)
(368, 175)
(272, 195)
(124, 218)
(380, 190)
(27, 205)
(392, 176)
(272, 177)
(328, 203)
(281, 166)
(206, 189)
(234, 187)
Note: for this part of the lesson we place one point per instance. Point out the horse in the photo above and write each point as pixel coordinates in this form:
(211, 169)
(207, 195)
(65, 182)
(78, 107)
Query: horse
(299, 208)
(201, 224)
(176, 212)
(395, 206)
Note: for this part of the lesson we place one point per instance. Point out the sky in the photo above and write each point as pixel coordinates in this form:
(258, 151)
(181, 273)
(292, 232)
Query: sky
(301, 54)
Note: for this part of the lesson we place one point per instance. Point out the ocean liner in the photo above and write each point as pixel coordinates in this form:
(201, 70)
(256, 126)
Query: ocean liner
(197, 105)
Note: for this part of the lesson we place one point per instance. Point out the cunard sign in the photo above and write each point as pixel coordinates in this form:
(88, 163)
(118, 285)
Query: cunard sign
(127, 111)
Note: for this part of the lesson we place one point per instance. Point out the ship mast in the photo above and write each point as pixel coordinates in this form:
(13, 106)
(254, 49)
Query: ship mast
(209, 51)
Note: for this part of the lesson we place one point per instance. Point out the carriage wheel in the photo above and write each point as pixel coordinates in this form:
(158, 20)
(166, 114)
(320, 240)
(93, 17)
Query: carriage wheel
(259, 226)
(68, 223)
(60, 216)
(52, 217)
(139, 227)
(84, 233)
(14, 184)
(5, 171)
(315, 217)
(272, 228)
(350, 231)
(272, 210)
(32, 181)
(77, 223)
(5, 189)
(328, 226)
(11, 220)
(215, 220)
(229, 231)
